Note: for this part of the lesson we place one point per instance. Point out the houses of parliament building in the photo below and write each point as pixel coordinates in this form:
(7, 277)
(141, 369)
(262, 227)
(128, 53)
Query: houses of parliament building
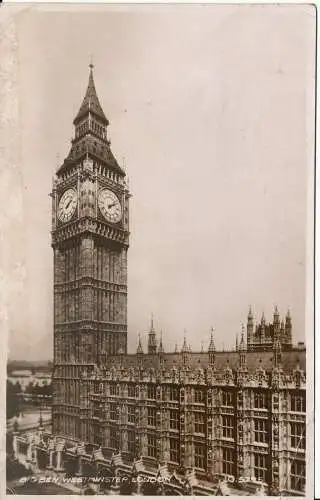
(200, 423)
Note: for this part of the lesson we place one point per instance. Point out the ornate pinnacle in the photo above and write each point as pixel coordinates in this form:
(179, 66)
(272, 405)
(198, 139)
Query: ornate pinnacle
(160, 350)
(139, 348)
(151, 324)
(242, 345)
(211, 345)
(185, 345)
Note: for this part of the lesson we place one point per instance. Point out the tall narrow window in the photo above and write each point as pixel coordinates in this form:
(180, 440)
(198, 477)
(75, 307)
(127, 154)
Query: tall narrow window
(228, 460)
(174, 419)
(174, 450)
(298, 435)
(151, 417)
(152, 446)
(260, 430)
(260, 468)
(227, 426)
(199, 456)
(298, 475)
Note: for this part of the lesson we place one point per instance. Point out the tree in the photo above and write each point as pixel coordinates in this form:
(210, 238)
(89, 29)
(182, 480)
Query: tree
(12, 400)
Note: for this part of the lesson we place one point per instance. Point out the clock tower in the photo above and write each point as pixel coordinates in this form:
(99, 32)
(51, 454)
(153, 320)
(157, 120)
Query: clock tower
(90, 238)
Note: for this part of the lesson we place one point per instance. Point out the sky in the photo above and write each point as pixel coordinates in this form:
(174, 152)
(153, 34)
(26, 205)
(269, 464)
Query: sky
(208, 108)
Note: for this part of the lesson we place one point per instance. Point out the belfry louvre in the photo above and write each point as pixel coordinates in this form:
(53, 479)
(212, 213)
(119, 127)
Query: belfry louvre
(213, 422)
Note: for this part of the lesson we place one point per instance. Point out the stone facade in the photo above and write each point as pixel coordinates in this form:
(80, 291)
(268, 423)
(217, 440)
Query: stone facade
(205, 418)
(90, 264)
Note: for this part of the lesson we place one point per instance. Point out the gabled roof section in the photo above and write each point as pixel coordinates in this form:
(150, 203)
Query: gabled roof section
(91, 102)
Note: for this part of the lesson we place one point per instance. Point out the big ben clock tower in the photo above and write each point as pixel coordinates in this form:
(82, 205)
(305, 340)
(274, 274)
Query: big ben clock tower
(90, 236)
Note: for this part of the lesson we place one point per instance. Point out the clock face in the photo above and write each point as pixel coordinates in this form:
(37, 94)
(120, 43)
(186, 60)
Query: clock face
(110, 206)
(67, 205)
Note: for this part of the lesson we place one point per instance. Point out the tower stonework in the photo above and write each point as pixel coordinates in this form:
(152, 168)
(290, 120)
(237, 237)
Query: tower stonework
(90, 238)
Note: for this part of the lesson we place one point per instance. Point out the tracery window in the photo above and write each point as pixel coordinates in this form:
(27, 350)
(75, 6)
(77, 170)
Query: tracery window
(260, 430)
(298, 435)
(227, 426)
(298, 475)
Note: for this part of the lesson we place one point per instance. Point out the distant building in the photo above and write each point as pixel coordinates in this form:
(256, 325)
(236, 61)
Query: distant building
(26, 377)
(263, 335)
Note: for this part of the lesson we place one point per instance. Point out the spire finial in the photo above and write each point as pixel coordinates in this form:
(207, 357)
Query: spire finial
(139, 348)
(211, 344)
(242, 346)
(185, 345)
(91, 65)
(160, 349)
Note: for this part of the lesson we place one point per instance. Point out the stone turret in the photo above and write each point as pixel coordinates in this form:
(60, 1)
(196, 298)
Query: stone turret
(152, 339)
(288, 330)
(139, 347)
(242, 349)
(250, 329)
(211, 349)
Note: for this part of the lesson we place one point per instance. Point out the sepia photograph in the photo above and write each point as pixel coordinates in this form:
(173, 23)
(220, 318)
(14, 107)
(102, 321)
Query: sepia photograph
(157, 251)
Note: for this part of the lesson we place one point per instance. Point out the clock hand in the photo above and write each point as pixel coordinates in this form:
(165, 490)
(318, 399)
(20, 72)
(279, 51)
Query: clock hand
(112, 205)
(68, 204)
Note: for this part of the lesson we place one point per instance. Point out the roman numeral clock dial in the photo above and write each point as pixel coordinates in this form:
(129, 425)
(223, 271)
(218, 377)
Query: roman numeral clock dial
(110, 206)
(67, 205)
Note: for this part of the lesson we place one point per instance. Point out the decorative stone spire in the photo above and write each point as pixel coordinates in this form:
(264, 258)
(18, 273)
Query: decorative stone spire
(160, 350)
(139, 348)
(282, 331)
(152, 340)
(184, 347)
(237, 343)
(288, 329)
(211, 348)
(176, 348)
(242, 346)
(277, 350)
(91, 102)
(185, 350)
(242, 349)
(276, 315)
(250, 329)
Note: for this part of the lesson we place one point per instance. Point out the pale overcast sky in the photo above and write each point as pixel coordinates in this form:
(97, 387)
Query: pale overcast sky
(208, 107)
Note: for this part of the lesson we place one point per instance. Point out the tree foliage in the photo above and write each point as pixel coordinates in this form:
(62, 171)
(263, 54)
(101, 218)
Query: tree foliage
(13, 401)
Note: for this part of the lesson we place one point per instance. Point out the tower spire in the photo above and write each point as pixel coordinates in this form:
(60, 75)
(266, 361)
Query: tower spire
(242, 349)
(139, 348)
(211, 349)
(91, 102)
(160, 350)
(152, 340)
